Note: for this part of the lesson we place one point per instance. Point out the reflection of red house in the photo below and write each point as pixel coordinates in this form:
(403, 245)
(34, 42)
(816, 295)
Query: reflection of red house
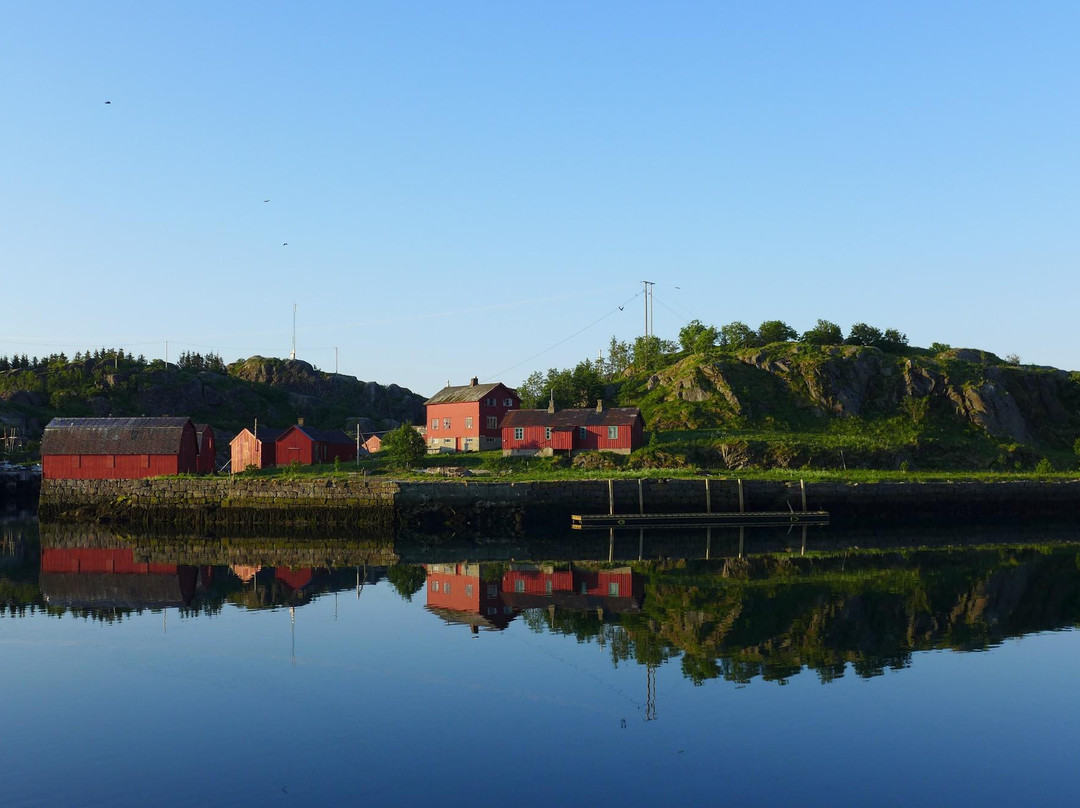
(307, 445)
(551, 431)
(101, 577)
(251, 448)
(118, 448)
(458, 594)
(468, 418)
(207, 448)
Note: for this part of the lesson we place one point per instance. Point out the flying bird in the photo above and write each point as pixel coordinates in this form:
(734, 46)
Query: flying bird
(108, 102)
(286, 244)
(620, 308)
(266, 200)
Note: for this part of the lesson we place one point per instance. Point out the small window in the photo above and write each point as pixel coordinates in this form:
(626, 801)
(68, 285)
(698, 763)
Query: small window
(547, 586)
(583, 432)
(434, 586)
(584, 588)
(613, 589)
(508, 402)
(445, 423)
(547, 433)
(492, 422)
(519, 585)
(490, 402)
(492, 610)
(446, 588)
(508, 610)
(493, 590)
(519, 433)
(613, 433)
(468, 423)
(468, 590)
(434, 423)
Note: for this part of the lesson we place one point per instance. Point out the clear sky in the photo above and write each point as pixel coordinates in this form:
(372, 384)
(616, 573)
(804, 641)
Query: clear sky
(472, 188)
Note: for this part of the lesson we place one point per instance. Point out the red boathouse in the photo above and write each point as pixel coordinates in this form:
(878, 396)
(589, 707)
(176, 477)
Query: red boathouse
(118, 448)
(307, 446)
(250, 448)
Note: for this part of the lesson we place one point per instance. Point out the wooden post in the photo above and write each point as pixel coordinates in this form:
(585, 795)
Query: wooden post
(611, 497)
(742, 501)
(640, 542)
(742, 536)
(802, 552)
(611, 545)
(802, 485)
(708, 542)
(640, 498)
(708, 497)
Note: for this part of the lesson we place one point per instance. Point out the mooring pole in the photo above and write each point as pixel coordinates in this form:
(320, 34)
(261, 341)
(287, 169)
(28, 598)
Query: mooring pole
(611, 497)
(802, 552)
(802, 485)
(708, 542)
(640, 543)
(742, 536)
(708, 497)
(640, 498)
(742, 501)
(611, 545)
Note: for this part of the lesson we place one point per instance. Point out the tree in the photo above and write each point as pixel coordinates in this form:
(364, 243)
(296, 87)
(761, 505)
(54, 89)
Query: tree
(579, 387)
(407, 579)
(696, 337)
(824, 333)
(620, 355)
(772, 331)
(892, 340)
(738, 335)
(648, 351)
(404, 446)
(863, 334)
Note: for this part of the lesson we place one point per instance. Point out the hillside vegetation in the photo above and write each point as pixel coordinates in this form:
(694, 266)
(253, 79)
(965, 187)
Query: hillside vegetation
(276, 391)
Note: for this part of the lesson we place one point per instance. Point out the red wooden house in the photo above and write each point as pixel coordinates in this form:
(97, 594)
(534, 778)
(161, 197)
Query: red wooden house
(254, 448)
(307, 446)
(372, 444)
(207, 448)
(458, 594)
(118, 448)
(551, 431)
(469, 418)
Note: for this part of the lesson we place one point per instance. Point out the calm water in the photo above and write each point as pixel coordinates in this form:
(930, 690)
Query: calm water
(878, 669)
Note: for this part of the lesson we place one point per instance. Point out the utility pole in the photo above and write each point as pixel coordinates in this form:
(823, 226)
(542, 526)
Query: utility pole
(648, 307)
(335, 361)
(293, 354)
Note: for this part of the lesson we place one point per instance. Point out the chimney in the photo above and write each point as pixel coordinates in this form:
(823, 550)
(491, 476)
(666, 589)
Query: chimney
(599, 405)
(551, 401)
(474, 381)
(299, 421)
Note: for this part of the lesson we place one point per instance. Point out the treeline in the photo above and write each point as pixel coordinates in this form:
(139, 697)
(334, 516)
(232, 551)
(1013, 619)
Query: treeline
(189, 360)
(586, 382)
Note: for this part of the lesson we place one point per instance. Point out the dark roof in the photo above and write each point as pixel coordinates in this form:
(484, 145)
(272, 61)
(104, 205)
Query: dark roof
(322, 435)
(270, 433)
(568, 419)
(466, 392)
(116, 436)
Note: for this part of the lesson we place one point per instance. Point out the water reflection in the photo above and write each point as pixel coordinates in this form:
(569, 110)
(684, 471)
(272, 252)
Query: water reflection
(746, 606)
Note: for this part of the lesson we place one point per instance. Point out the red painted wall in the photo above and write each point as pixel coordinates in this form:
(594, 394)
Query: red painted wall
(95, 559)
(479, 411)
(295, 445)
(207, 453)
(111, 467)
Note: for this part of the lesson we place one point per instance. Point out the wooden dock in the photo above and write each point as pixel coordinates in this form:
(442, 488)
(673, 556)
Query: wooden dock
(661, 520)
(740, 518)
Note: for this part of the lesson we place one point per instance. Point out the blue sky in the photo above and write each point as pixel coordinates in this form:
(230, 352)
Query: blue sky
(474, 189)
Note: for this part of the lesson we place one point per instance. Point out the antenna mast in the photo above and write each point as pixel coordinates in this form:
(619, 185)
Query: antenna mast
(293, 354)
(648, 307)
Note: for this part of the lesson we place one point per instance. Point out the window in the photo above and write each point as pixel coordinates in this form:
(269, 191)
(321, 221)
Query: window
(492, 422)
(583, 432)
(446, 588)
(613, 589)
(508, 609)
(490, 402)
(468, 422)
(519, 585)
(613, 433)
(584, 588)
(508, 402)
(445, 423)
(468, 590)
(492, 610)
(434, 586)
(434, 423)
(547, 586)
(547, 433)
(519, 432)
(493, 590)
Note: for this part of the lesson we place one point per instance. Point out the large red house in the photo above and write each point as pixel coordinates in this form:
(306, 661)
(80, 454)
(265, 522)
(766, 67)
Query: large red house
(307, 446)
(551, 431)
(468, 418)
(118, 448)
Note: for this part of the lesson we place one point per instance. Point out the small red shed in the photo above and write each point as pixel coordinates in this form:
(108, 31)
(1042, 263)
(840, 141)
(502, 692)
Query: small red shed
(207, 448)
(308, 446)
(254, 448)
(118, 448)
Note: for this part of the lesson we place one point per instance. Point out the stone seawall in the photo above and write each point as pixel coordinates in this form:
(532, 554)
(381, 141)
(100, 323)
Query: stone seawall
(515, 507)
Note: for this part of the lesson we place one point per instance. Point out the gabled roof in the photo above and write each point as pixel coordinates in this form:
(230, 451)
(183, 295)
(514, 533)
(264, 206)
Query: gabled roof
(568, 419)
(115, 436)
(467, 392)
(266, 433)
(319, 435)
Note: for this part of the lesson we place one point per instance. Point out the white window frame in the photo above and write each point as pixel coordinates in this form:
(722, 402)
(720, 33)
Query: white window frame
(434, 423)
(583, 432)
(613, 433)
(508, 402)
(493, 422)
(519, 433)
(445, 423)
(468, 422)
(547, 433)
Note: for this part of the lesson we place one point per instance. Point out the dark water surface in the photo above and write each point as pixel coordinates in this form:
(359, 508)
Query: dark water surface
(877, 668)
